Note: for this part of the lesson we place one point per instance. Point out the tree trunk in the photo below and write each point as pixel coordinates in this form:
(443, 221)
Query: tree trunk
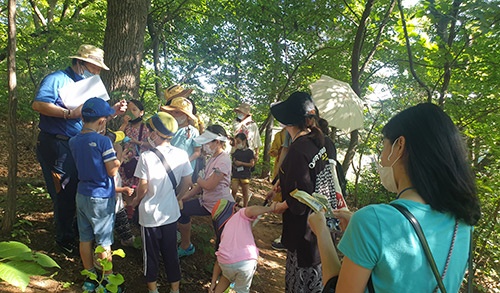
(10, 208)
(266, 158)
(124, 44)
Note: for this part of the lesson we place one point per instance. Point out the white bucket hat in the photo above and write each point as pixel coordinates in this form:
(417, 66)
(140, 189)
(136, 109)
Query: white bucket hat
(91, 54)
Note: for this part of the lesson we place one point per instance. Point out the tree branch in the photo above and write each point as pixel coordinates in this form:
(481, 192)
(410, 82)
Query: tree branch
(410, 56)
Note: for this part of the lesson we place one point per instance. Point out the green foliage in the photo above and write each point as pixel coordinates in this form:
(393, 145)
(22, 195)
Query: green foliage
(112, 281)
(204, 235)
(20, 230)
(18, 263)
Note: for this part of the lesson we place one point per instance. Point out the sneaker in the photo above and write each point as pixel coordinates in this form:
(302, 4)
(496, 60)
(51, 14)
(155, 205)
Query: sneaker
(185, 252)
(68, 248)
(278, 246)
(89, 285)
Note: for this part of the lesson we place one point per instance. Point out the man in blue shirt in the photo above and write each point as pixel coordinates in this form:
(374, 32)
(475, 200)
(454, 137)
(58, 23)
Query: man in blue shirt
(58, 124)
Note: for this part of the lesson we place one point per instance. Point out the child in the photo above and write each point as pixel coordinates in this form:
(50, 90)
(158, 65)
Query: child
(243, 161)
(237, 253)
(213, 184)
(159, 170)
(138, 133)
(122, 225)
(97, 164)
(182, 110)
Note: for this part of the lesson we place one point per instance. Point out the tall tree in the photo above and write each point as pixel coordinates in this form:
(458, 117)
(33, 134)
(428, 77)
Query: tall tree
(10, 211)
(124, 44)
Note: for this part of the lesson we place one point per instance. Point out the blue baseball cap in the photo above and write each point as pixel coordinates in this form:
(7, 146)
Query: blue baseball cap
(97, 107)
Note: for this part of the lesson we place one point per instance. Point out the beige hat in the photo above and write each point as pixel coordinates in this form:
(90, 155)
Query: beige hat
(180, 104)
(243, 108)
(91, 54)
(175, 91)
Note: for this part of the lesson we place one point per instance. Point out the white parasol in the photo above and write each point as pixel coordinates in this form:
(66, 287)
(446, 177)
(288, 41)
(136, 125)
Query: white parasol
(337, 103)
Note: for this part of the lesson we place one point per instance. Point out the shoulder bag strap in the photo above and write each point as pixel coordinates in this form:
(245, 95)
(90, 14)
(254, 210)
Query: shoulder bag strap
(470, 277)
(423, 241)
(167, 167)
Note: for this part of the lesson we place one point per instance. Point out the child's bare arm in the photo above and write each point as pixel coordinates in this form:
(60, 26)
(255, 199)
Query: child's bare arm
(142, 188)
(254, 211)
(112, 167)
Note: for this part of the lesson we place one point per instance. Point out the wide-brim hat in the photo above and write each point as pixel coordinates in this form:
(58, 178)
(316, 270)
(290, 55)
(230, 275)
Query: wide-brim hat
(180, 104)
(164, 123)
(209, 136)
(243, 108)
(91, 54)
(221, 212)
(176, 91)
(294, 109)
(97, 107)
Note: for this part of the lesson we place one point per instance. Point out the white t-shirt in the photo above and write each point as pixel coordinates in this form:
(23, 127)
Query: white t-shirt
(119, 197)
(159, 206)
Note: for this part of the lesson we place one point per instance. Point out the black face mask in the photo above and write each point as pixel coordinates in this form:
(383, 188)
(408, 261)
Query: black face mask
(138, 119)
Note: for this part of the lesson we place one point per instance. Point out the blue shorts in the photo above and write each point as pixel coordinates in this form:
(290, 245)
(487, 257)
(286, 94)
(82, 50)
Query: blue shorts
(96, 219)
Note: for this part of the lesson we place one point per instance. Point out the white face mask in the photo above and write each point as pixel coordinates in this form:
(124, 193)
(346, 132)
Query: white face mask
(239, 146)
(151, 142)
(87, 74)
(387, 173)
(181, 120)
(207, 149)
(240, 116)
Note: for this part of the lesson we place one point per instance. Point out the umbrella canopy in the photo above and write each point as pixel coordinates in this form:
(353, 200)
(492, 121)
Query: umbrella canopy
(337, 103)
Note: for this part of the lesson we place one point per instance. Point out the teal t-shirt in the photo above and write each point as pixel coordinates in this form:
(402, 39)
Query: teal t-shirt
(381, 239)
(184, 139)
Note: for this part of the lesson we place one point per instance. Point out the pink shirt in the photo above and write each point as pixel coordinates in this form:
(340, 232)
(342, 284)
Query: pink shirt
(237, 242)
(221, 163)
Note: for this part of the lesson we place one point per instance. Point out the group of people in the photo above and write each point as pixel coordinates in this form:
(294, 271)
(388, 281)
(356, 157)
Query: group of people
(423, 160)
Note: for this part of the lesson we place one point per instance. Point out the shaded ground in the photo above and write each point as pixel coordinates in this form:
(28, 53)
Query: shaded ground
(35, 228)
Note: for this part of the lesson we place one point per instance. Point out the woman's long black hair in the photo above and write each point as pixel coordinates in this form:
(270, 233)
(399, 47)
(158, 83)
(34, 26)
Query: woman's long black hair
(437, 161)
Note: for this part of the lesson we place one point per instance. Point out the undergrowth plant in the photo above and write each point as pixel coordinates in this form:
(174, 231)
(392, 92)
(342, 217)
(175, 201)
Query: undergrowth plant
(18, 263)
(112, 281)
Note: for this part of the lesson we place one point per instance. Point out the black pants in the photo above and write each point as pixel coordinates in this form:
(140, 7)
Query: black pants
(61, 178)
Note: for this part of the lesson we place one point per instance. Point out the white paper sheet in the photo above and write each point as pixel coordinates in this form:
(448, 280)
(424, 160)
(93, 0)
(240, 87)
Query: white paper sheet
(75, 94)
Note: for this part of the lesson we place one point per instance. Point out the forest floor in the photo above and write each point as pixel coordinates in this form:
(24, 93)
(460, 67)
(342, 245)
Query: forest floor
(35, 228)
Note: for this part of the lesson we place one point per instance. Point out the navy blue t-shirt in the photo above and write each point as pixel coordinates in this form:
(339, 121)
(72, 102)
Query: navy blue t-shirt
(91, 151)
(246, 156)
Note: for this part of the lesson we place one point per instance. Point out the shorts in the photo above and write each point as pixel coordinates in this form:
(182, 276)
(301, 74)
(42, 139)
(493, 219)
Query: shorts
(240, 273)
(96, 219)
(240, 180)
(192, 207)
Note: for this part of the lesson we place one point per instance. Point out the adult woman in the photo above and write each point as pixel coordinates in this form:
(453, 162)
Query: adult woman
(303, 168)
(425, 162)
(214, 185)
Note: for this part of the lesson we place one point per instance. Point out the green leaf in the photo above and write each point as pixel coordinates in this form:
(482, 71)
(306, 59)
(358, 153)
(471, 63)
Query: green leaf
(14, 249)
(45, 260)
(119, 252)
(106, 265)
(30, 268)
(13, 276)
(112, 287)
(116, 279)
(99, 249)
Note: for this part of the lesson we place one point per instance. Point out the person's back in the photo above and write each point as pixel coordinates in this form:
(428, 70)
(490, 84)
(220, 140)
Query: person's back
(161, 196)
(237, 236)
(379, 236)
(97, 164)
(162, 171)
(91, 151)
